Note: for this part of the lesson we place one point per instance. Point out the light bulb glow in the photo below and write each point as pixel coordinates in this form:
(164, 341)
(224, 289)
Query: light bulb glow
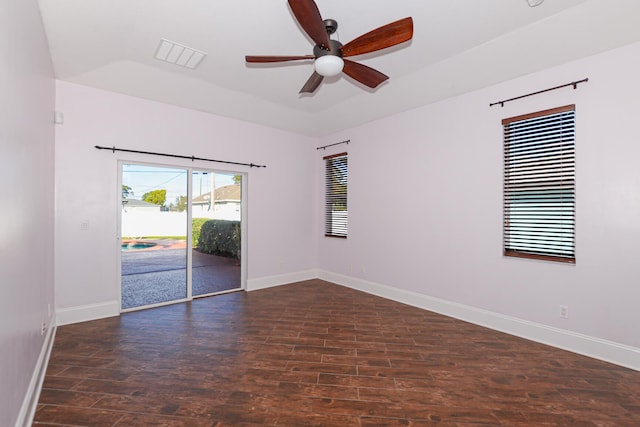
(329, 65)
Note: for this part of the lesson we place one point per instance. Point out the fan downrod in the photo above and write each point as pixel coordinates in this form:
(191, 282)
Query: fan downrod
(331, 25)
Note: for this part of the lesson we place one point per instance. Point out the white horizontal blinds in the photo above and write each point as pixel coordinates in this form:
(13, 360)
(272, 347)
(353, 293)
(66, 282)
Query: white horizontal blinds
(539, 185)
(336, 178)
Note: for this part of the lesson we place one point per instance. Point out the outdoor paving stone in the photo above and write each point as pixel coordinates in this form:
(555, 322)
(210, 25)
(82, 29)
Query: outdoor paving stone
(156, 276)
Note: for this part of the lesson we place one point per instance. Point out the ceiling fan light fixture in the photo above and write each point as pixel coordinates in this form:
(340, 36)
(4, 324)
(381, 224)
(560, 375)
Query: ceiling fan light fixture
(534, 3)
(328, 65)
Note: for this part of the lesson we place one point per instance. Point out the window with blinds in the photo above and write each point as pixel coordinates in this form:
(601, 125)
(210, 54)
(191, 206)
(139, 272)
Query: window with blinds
(336, 214)
(539, 185)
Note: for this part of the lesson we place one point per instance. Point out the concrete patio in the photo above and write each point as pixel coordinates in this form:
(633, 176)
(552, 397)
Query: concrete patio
(159, 274)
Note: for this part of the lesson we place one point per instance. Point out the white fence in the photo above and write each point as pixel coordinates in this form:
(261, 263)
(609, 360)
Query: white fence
(139, 224)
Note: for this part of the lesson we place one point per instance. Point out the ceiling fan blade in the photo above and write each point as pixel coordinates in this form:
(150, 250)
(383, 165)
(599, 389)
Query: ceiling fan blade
(381, 38)
(365, 75)
(308, 15)
(260, 59)
(312, 84)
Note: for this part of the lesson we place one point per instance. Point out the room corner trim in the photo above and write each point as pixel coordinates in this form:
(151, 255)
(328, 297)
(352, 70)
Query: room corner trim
(608, 351)
(83, 313)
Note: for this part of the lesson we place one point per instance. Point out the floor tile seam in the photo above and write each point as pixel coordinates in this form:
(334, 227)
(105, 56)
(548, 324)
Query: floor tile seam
(312, 372)
(359, 375)
(407, 419)
(319, 347)
(379, 401)
(62, 390)
(306, 362)
(145, 414)
(571, 414)
(69, 405)
(107, 378)
(595, 414)
(103, 410)
(74, 387)
(159, 414)
(82, 357)
(337, 411)
(574, 403)
(357, 363)
(295, 341)
(269, 404)
(383, 341)
(633, 415)
(590, 391)
(119, 419)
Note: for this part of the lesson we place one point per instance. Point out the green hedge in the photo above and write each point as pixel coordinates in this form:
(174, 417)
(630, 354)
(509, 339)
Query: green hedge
(196, 226)
(219, 237)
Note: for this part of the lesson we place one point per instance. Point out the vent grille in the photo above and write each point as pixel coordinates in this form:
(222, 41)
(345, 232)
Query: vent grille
(179, 54)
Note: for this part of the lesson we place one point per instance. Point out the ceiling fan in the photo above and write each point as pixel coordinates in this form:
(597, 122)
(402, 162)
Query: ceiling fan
(329, 55)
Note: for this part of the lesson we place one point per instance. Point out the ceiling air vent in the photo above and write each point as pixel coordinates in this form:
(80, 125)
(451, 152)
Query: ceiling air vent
(179, 54)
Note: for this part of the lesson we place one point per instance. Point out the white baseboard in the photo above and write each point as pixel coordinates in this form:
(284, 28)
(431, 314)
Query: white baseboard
(608, 351)
(83, 313)
(597, 348)
(30, 402)
(280, 279)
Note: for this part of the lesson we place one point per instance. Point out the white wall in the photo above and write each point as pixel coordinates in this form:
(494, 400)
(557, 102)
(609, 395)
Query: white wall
(280, 242)
(442, 164)
(26, 222)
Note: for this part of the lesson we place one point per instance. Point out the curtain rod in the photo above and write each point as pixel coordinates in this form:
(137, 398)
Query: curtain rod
(192, 158)
(574, 84)
(324, 147)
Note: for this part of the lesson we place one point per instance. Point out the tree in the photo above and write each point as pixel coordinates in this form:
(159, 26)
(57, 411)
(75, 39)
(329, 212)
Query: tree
(181, 203)
(157, 197)
(237, 179)
(126, 191)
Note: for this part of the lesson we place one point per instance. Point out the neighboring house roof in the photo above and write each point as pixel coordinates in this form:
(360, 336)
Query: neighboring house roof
(135, 203)
(228, 193)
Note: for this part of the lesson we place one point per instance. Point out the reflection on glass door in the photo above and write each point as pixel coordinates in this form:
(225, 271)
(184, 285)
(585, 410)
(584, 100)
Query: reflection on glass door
(216, 201)
(153, 235)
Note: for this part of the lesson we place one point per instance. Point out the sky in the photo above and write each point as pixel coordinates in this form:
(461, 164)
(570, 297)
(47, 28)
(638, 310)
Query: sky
(144, 178)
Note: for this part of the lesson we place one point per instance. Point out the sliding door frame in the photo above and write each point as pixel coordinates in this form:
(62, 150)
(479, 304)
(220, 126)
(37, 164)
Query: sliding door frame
(189, 266)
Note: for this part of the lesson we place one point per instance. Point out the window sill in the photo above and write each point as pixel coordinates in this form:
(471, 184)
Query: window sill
(551, 258)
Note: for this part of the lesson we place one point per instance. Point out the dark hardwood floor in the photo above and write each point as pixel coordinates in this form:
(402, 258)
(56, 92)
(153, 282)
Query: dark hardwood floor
(317, 354)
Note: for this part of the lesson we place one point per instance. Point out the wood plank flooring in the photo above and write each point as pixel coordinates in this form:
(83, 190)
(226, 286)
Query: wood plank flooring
(317, 354)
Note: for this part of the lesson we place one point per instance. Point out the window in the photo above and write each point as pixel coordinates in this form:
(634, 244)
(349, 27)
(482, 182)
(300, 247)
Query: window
(336, 214)
(539, 185)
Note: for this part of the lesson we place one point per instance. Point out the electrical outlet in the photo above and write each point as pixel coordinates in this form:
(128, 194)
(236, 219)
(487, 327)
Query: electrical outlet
(44, 328)
(564, 311)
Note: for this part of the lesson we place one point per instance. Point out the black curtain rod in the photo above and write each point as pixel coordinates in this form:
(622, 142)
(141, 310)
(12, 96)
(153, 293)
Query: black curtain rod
(574, 84)
(192, 158)
(324, 147)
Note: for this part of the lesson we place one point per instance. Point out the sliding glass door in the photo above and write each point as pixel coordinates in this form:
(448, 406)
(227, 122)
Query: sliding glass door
(153, 236)
(216, 212)
(180, 232)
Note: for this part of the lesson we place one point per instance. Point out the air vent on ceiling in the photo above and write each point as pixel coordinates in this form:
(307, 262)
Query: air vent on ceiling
(179, 54)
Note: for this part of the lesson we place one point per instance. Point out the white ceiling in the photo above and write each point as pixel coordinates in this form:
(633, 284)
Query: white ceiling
(458, 46)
